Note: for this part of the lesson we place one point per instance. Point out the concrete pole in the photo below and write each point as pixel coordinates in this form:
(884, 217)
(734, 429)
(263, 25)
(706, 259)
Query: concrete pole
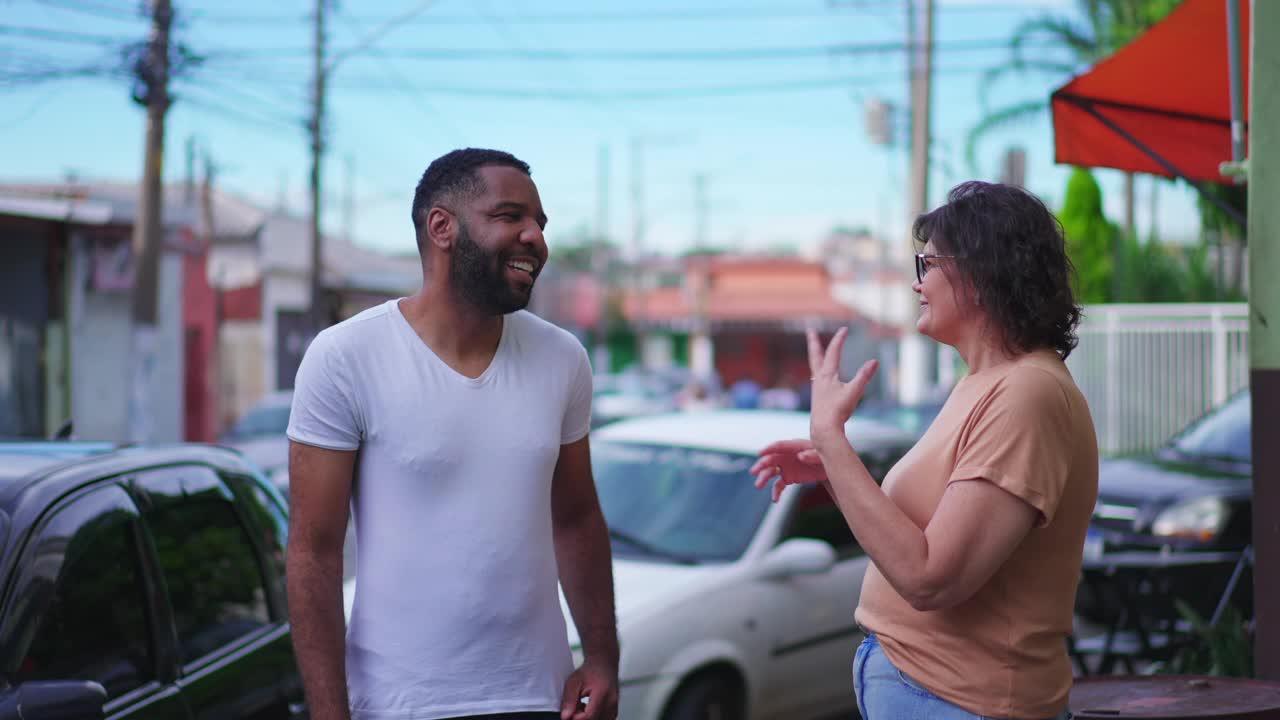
(148, 229)
(319, 315)
(640, 321)
(914, 360)
(1264, 329)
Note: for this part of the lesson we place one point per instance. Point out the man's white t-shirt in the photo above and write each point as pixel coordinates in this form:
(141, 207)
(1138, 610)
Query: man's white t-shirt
(457, 609)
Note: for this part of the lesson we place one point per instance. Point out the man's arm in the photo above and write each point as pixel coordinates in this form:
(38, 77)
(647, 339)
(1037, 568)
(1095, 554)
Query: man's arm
(586, 574)
(319, 498)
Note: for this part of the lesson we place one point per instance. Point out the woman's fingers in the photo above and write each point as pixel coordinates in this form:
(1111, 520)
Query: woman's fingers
(865, 373)
(815, 351)
(831, 359)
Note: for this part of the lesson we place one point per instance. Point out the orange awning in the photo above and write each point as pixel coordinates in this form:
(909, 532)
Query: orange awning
(1161, 104)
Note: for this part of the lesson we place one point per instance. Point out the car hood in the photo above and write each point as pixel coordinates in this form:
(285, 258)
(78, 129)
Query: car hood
(1140, 481)
(639, 587)
(269, 453)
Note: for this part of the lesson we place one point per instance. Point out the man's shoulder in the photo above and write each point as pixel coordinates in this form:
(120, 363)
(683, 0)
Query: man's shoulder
(541, 334)
(357, 330)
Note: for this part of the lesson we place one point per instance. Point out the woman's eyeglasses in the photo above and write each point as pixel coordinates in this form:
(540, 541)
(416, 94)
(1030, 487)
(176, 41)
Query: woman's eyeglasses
(923, 264)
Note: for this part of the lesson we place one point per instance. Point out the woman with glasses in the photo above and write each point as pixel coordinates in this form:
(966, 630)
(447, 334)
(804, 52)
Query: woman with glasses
(976, 535)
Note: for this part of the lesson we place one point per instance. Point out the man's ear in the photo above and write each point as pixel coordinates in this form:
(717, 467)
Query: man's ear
(441, 228)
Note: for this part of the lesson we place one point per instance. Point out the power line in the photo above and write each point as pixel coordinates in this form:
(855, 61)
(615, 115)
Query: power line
(612, 55)
(274, 125)
(402, 85)
(559, 94)
(32, 77)
(504, 29)
(66, 36)
(86, 7)
(275, 112)
(718, 15)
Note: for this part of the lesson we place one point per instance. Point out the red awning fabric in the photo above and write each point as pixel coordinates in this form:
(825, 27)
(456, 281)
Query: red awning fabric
(1168, 90)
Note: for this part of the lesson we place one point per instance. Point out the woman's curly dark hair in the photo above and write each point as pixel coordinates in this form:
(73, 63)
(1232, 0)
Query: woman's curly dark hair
(1012, 255)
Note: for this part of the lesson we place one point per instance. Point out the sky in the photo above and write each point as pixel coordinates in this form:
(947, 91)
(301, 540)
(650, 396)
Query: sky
(657, 122)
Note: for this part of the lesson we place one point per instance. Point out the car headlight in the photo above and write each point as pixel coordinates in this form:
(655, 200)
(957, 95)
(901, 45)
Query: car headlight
(1200, 519)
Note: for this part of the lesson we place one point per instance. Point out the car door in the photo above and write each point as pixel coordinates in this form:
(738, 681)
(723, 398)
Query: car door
(811, 628)
(234, 651)
(90, 609)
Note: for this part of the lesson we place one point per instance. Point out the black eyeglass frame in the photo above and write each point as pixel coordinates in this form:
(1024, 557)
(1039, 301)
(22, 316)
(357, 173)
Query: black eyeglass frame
(921, 270)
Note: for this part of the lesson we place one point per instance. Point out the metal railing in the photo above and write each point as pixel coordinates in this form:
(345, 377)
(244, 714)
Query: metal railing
(1148, 370)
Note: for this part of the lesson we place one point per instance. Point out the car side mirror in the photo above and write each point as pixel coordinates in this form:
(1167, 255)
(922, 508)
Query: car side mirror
(54, 700)
(797, 556)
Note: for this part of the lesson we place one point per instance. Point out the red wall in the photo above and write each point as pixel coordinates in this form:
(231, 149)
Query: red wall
(199, 322)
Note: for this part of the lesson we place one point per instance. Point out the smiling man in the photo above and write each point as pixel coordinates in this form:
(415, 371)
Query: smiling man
(454, 426)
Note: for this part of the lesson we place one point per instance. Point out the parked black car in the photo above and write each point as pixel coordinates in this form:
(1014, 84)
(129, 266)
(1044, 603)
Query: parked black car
(142, 583)
(1193, 494)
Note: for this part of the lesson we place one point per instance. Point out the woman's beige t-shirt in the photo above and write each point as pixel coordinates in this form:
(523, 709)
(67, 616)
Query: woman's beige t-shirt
(1025, 427)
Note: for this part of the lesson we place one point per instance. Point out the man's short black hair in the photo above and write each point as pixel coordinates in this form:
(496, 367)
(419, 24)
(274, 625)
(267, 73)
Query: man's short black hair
(454, 173)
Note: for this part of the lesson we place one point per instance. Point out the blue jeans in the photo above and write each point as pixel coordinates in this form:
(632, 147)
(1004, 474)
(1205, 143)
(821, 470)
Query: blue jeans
(884, 692)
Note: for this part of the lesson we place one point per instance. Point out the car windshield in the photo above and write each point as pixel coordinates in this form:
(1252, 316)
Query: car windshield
(677, 504)
(267, 420)
(1222, 434)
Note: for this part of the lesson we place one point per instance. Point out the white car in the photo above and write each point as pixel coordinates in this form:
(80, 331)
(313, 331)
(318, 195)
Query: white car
(729, 606)
(260, 436)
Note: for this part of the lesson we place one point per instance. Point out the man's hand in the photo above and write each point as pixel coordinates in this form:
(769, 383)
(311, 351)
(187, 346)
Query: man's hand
(791, 462)
(591, 693)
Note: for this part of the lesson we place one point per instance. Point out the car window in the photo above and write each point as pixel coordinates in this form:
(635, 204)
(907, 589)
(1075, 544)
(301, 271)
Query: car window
(266, 518)
(816, 516)
(212, 575)
(1222, 434)
(696, 504)
(265, 420)
(94, 626)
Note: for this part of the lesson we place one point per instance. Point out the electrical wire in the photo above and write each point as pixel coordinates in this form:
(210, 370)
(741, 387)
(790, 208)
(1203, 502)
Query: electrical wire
(717, 15)
(611, 55)
(63, 36)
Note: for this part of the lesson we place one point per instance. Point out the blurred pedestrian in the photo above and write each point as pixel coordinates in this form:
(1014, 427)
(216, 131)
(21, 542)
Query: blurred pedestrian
(454, 425)
(745, 394)
(976, 536)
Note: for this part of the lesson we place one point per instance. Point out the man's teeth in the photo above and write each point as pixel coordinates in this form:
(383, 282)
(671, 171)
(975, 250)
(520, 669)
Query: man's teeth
(525, 266)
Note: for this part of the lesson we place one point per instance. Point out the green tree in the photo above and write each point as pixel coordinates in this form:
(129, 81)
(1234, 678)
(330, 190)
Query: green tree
(1090, 237)
(1099, 29)
(1222, 230)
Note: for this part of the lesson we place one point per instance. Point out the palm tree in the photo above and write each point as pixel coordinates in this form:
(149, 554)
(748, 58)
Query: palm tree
(1101, 28)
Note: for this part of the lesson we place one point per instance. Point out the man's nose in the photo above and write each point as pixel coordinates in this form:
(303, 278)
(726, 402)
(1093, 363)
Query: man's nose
(533, 235)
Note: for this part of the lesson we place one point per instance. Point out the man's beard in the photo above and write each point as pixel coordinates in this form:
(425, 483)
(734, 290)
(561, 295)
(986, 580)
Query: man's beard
(479, 278)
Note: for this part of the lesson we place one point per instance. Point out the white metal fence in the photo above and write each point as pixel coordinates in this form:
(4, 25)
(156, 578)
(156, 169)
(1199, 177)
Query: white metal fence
(1148, 370)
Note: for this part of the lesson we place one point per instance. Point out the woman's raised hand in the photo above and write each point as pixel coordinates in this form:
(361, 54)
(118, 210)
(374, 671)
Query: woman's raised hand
(791, 462)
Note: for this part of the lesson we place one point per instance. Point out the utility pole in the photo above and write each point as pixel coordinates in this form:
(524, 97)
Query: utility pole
(316, 127)
(700, 211)
(637, 245)
(213, 368)
(1264, 329)
(913, 366)
(920, 44)
(349, 200)
(701, 347)
(148, 228)
(600, 261)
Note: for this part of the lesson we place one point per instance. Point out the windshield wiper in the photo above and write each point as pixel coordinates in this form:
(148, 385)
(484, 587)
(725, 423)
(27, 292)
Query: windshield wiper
(651, 549)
